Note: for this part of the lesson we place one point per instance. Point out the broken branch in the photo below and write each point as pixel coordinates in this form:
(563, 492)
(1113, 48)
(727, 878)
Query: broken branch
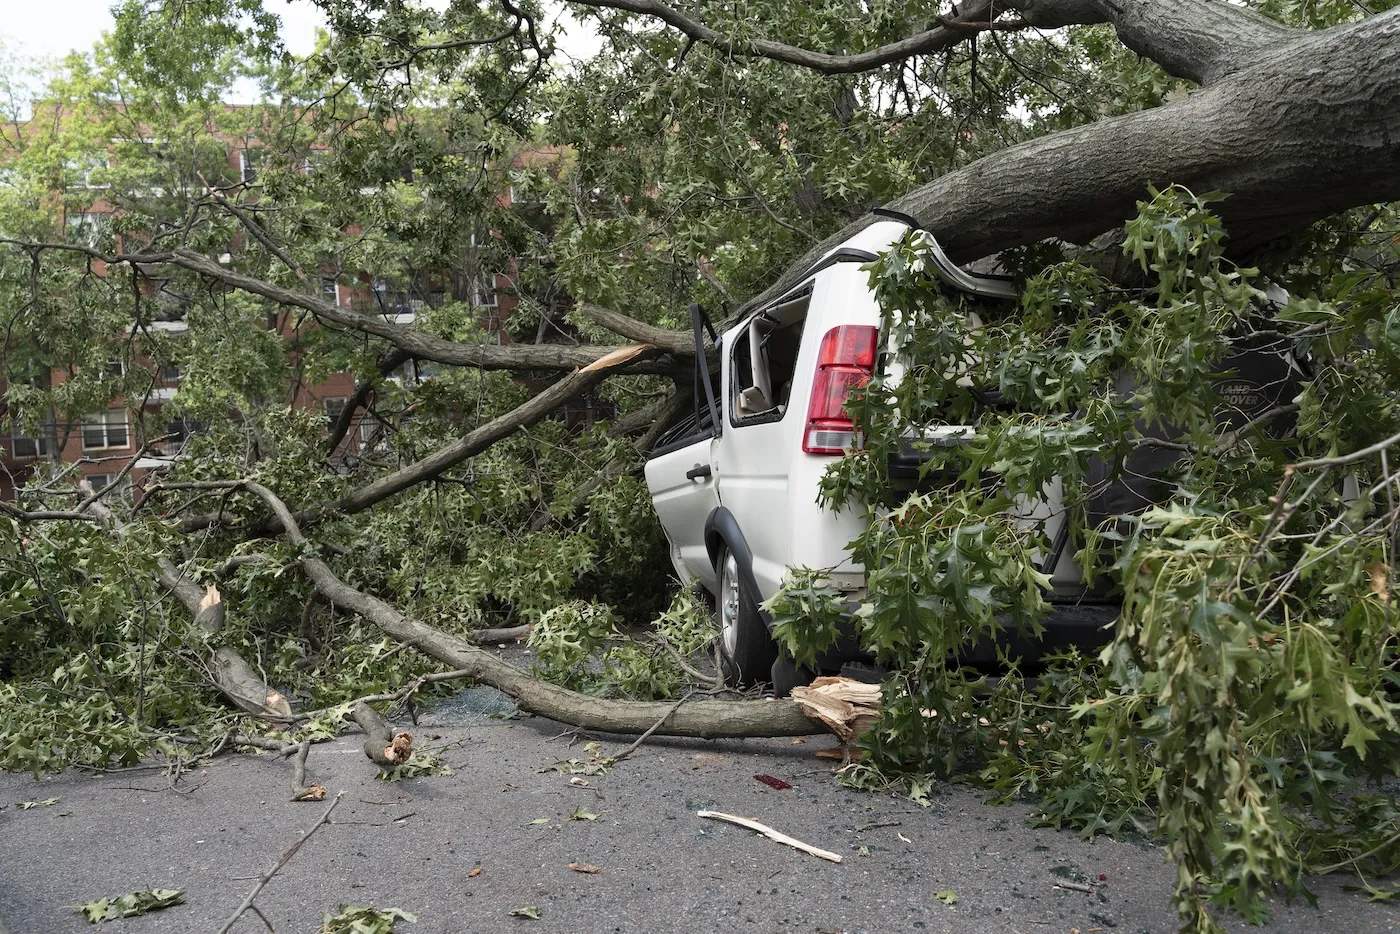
(771, 834)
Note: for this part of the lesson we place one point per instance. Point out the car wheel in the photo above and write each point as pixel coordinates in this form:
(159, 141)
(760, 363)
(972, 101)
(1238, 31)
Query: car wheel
(745, 645)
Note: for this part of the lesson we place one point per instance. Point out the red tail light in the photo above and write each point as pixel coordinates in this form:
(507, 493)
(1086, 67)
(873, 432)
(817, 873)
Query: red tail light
(846, 361)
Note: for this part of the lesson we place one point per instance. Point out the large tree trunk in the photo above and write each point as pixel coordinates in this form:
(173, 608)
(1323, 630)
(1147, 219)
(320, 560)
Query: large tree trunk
(1310, 126)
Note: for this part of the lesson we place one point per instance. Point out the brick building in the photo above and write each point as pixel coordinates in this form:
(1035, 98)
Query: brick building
(99, 444)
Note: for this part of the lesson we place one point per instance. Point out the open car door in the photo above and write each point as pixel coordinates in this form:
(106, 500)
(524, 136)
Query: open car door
(680, 471)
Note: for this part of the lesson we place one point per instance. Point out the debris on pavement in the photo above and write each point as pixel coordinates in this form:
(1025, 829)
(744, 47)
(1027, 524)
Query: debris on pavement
(772, 782)
(771, 834)
(130, 905)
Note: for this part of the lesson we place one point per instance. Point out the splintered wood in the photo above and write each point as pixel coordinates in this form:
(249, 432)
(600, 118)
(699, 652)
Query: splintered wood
(771, 834)
(617, 357)
(848, 707)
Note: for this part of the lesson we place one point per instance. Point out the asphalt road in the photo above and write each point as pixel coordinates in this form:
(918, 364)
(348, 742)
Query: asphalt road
(416, 845)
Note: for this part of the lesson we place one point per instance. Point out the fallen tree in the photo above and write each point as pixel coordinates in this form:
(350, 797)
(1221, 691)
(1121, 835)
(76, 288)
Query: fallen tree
(713, 163)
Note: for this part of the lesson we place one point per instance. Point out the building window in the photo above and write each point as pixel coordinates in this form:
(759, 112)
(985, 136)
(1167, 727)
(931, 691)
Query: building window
(100, 482)
(485, 297)
(105, 430)
(249, 161)
(177, 432)
(86, 228)
(116, 368)
(22, 445)
(334, 407)
(330, 292)
(170, 374)
(86, 172)
(484, 293)
(369, 432)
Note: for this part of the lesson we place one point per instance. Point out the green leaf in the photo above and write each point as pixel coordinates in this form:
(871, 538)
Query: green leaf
(130, 905)
(947, 896)
(362, 919)
(526, 911)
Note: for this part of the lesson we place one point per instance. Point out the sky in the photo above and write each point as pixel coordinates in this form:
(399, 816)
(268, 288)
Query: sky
(53, 28)
(50, 29)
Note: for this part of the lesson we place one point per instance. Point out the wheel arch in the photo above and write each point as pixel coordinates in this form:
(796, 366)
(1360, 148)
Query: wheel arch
(722, 532)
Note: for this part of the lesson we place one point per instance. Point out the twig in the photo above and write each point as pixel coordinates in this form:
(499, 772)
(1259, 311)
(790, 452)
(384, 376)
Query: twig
(1075, 887)
(299, 786)
(1356, 859)
(652, 729)
(878, 823)
(716, 680)
(1351, 458)
(286, 857)
(771, 834)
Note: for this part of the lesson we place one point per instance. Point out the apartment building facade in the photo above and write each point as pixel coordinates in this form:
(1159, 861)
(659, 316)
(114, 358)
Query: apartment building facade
(144, 432)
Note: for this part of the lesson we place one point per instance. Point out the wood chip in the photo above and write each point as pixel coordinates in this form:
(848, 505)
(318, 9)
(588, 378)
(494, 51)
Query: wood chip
(586, 867)
(474, 873)
(315, 792)
(771, 834)
(277, 703)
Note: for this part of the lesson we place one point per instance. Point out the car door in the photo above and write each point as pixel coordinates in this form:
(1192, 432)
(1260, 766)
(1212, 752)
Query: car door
(684, 492)
(681, 473)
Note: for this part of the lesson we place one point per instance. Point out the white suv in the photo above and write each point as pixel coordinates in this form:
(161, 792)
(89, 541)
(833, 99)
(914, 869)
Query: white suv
(735, 486)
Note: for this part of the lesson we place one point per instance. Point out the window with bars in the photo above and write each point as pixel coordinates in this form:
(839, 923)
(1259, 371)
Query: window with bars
(334, 408)
(484, 293)
(177, 430)
(369, 431)
(105, 430)
(485, 297)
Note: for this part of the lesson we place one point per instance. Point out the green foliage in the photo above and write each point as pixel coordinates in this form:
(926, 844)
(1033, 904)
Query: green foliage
(1247, 696)
(362, 919)
(1246, 700)
(130, 905)
(419, 765)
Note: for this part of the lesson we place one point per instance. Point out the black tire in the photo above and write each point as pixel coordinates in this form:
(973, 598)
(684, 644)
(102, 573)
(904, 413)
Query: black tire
(745, 645)
(787, 674)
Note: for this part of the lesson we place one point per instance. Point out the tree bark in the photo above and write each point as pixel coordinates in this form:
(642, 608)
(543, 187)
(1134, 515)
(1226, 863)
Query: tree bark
(414, 342)
(232, 675)
(474, 442)
(515, 357)
(1310, 128)
(951, 31)
(705, 719)
(1202, 40)
(387, 364)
